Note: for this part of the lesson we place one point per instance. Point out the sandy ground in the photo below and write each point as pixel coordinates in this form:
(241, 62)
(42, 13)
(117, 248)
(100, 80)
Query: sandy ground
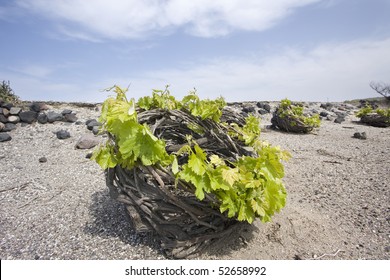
(338, 199)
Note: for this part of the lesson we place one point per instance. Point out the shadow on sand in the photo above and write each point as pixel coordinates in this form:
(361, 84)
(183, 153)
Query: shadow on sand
(111, 220)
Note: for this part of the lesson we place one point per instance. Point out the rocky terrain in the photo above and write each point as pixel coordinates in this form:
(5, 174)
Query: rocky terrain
(54, 203)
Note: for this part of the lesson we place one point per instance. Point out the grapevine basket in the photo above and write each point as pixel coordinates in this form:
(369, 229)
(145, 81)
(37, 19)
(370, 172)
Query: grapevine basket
(182, 224)
(377, 120)
(290, 123)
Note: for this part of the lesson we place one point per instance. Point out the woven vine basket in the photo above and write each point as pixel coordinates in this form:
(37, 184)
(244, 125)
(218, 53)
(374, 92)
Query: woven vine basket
(290, 123)
(376, 120)
(155, 202)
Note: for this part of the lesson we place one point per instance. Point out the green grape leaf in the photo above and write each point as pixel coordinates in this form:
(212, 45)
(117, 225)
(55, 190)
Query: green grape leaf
(227, 203)
(145, 102)
(216, 160)
(196, 164)
(257, 208)
(230, 175)
(104, 157)
(245, 213)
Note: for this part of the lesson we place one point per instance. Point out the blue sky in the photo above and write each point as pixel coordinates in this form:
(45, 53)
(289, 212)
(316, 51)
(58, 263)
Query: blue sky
(248, 50)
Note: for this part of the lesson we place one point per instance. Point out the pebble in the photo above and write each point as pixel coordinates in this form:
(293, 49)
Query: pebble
(358, 135)
(5, 137)
(87, 141)
(63, 134)
(91, 123)
(42, 159)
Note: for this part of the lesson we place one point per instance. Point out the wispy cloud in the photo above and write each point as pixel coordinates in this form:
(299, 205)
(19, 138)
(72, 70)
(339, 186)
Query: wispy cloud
(137, 19)
(326, 72)
(33, 70)
(334, 72)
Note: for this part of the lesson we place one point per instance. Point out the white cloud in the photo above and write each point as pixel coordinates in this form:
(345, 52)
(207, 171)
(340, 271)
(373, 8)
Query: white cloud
(34, 70)
(334, 72)
(134, 19)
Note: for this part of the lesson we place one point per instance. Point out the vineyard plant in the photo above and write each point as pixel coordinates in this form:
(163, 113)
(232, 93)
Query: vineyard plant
(378, 117)
(189, 170)
(291, 118)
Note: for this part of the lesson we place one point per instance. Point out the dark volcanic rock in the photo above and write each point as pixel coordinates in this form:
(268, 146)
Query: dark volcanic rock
(53, 117)
(248, 109)
(324, 114)
(8, 105)
(42, 159)
(262, 111)
(66, 112)
(28, 116)
(96, 130)
(42, 118)
(358, 135)
(38, 106)
(326, 106)
(91, 123)
(5, 137)
(339, 119)
(9, 127)
(3, 119)
(265, 106)
(62, 134)
(70, 117)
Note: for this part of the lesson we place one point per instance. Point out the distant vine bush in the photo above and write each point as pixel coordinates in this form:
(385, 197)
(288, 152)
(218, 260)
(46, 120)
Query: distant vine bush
(368, 110)
(378, 117)
(246, 188)
(290, 117)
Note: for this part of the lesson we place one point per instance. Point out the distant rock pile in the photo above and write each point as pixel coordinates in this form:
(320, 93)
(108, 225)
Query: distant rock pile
(38, 112)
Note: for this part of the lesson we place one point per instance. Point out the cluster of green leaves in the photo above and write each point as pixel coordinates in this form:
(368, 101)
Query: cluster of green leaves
(162, 99)
(206, 109)
(248, 188)
(368, 110)
(296, 111)
(249, 133)
(135, 143)
(7, 94)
